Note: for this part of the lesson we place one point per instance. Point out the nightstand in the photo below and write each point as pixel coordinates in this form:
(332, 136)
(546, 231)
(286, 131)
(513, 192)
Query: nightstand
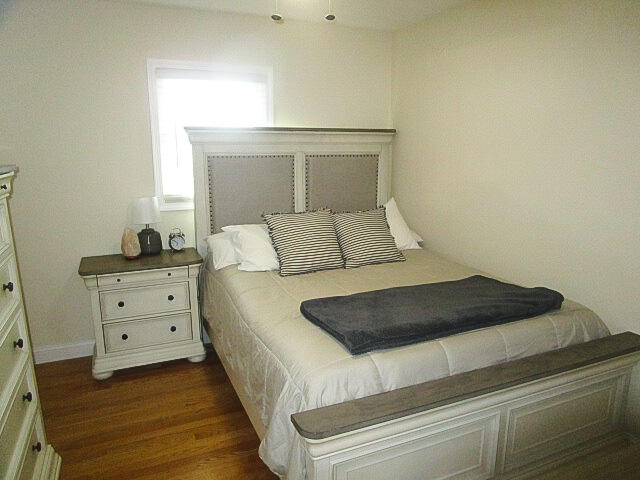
(144, 310)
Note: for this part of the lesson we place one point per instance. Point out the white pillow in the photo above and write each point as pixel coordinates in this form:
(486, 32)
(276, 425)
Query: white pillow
(222, 249)
(253, 248)
(402, 234)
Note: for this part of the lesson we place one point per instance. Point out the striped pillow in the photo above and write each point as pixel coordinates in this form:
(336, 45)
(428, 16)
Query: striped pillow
(305, 242)
(365, 238)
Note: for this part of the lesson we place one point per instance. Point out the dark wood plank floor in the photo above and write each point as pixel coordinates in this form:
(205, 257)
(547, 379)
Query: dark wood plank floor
(180, 420)
(620, 461)
(175, 420)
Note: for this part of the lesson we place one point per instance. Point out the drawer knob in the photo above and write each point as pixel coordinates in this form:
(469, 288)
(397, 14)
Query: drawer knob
(7, 286)
(18, 344)
(121, 304)
(37, 447)
(3, 186)
(173, 328)
(168, 274)
(27, 397)
(118, 280)
(125, 336)
(170, 297)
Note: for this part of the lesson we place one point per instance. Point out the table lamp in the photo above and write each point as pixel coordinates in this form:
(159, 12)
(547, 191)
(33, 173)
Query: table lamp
(146, 211)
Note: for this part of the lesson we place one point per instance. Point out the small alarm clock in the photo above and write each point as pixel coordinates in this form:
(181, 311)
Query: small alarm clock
(176, 240)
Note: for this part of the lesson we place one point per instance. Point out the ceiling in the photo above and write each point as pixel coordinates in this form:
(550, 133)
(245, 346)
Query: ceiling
(377, 14)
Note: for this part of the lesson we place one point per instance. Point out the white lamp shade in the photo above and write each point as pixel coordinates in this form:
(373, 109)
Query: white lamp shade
(145, 210)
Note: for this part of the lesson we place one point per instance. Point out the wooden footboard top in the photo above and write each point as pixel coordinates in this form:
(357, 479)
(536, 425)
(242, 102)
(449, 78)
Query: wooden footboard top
(325, 422)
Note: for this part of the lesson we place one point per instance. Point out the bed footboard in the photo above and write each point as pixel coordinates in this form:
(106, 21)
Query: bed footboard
(505, 421)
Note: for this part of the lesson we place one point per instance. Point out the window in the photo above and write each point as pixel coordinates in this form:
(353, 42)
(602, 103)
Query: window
(194, 94)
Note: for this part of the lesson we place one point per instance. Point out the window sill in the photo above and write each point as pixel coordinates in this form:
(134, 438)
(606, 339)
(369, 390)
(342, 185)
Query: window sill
(175, 206)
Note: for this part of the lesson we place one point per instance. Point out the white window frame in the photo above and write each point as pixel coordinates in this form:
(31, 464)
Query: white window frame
(152, 65)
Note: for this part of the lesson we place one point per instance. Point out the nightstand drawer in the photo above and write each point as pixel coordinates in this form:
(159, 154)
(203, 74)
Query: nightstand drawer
(9, 294)
(19, 407)
(133, 302)
(143, 276)
(144, 333)
(10, 353)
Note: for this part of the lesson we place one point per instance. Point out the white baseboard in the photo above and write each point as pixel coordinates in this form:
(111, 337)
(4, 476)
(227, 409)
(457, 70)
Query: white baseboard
(55, 353)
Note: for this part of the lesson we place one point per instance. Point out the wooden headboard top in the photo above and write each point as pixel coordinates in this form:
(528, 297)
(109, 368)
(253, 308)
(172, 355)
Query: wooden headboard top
(206, 130)
(240, 173)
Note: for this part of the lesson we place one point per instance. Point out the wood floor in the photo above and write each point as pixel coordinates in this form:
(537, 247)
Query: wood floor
(618, 462)
(180, 420)
(176, 420)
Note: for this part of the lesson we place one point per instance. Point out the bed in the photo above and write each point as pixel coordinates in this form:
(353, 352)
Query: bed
(280, 363)
(285, 364)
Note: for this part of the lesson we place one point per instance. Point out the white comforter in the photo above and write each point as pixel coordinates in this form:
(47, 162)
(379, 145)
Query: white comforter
(286, 364)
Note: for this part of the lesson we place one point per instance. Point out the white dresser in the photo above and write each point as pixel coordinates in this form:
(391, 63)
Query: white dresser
(24, 452)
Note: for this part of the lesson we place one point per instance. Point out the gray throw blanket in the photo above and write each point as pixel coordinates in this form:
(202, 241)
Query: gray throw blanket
(399, 316)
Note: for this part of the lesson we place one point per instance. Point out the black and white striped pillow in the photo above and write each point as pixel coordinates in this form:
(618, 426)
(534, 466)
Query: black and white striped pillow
(365, 238)
(305, 242)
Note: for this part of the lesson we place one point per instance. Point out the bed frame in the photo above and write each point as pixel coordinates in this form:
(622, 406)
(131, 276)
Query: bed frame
(507, 421)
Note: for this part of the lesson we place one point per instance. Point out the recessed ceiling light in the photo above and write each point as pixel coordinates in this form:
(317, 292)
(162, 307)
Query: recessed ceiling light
(276, 17)
(329, 17)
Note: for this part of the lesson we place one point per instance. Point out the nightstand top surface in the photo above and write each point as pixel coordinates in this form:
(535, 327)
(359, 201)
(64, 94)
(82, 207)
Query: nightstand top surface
(116, 263)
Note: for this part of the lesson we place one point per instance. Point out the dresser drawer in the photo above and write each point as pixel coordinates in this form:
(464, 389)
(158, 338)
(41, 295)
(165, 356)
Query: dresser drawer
(10, 293)
(32, 450)
(134, 302)
(18, 409)
(10, 352)
(148, 332)
(5, 186)
(143, 276)
(5, 229)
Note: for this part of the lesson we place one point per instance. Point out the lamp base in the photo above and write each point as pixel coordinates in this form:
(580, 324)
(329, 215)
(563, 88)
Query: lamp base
(150, 241)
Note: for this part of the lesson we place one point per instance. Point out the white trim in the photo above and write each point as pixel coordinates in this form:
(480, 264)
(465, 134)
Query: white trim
(152, 65)
(55, 353)
(172, 206)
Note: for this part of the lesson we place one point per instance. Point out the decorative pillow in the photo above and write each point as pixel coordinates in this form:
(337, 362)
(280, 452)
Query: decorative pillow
(253, 247)
(221, 248)
(305, 242)
(402, 234)
(365, 238)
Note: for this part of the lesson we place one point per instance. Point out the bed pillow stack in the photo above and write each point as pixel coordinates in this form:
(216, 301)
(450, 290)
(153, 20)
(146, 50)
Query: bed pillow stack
(297, 243)
(365, 238)
(305, 242)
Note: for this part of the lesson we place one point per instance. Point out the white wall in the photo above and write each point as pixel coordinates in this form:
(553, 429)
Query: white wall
(519, 144)
(74, 116)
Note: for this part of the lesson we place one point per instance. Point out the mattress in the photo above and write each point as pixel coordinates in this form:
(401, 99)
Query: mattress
(285, 364)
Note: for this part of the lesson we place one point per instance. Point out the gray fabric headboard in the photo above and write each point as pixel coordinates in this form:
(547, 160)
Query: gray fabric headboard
(239, 174)
(243, 187)
(341, 182)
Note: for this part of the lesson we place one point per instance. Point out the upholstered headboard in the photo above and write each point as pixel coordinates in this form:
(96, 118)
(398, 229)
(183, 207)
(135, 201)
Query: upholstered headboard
(242, 173)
